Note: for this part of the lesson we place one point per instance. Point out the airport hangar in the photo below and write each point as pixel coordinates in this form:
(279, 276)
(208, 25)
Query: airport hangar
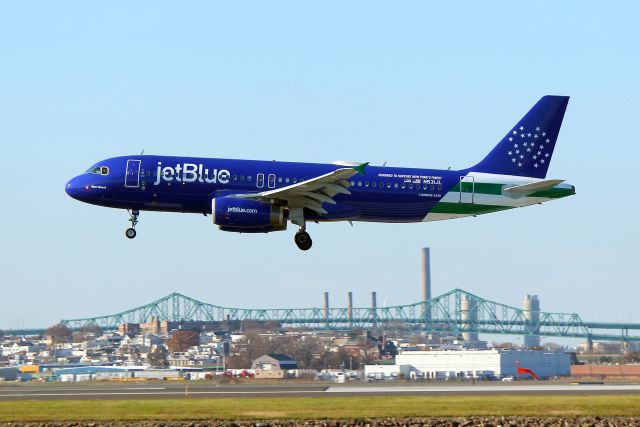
(491, 363)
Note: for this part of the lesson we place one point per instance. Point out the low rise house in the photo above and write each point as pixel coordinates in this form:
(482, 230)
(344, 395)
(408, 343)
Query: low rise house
(273, 365)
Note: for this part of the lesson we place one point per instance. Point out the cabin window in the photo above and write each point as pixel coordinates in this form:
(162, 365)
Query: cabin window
(366, 184)
(373, 184)
(280, 179)
(410, 186)
(235, 177)
(381, 184)
(295, 180)
(104, 170)
(395, 185)
(404, 185)
(249, 178)
(359, 183)
(388, 185)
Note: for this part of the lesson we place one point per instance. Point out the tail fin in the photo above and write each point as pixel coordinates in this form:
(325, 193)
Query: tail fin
(527, 149)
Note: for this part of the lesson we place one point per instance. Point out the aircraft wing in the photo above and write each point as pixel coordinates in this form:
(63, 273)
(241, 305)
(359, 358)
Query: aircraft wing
(312, 193)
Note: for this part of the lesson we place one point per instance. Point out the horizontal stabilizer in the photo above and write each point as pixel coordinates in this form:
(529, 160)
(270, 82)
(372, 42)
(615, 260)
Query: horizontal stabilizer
(526, 189)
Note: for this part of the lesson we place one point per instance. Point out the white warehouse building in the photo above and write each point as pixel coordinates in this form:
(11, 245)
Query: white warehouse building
(442, 364)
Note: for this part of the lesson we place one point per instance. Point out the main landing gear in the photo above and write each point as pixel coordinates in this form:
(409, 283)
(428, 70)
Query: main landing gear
(303, 240)
(133, 219)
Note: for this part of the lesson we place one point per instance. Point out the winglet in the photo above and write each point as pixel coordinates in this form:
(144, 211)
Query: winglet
(360, 169)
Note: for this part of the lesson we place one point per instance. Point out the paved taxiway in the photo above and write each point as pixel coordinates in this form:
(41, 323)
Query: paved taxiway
(195, 390)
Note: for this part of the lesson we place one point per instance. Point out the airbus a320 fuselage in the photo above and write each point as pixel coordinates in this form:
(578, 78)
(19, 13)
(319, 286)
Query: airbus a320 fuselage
(248, 196)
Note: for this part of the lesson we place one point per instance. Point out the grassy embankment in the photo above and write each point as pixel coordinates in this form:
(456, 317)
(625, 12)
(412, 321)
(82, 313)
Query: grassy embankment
(319, 407)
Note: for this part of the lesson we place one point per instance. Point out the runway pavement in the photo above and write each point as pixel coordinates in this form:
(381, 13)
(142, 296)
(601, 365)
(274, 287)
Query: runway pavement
(207, 390)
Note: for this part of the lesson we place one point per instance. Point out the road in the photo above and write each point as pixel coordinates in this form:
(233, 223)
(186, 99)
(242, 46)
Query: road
(121, 391)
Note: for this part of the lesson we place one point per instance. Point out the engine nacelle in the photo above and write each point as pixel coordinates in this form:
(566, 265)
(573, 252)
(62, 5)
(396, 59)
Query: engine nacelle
(247, 216)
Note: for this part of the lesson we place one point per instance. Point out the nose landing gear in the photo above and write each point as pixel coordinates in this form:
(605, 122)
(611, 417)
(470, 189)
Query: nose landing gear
(303, 240)
(133, 219)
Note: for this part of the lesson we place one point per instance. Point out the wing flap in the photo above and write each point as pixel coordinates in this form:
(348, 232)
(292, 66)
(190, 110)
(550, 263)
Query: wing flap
(312, 193)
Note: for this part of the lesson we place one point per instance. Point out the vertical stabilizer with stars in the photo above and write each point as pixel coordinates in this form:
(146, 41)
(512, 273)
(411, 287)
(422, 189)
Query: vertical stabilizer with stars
(527, 148)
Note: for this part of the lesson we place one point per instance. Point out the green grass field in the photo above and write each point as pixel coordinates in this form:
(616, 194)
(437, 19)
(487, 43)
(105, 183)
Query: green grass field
(319, 408)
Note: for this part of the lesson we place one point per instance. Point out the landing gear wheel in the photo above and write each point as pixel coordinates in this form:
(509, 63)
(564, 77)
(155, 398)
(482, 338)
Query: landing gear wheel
(303, 240)
(133, 219)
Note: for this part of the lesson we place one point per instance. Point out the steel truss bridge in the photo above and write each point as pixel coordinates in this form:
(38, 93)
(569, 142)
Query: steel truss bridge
(449, 313)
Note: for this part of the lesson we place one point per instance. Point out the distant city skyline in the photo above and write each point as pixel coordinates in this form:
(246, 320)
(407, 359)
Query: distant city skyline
(418, 85)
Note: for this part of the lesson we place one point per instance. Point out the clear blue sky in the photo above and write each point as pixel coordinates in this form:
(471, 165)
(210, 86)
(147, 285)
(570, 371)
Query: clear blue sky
(421, 84)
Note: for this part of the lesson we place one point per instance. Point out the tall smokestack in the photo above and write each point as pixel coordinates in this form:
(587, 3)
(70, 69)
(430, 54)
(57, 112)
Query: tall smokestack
(326, 307)
(374, 309)
(426, 275)
(531, 311)
(350, 307)
(469, 317)
(426, 284)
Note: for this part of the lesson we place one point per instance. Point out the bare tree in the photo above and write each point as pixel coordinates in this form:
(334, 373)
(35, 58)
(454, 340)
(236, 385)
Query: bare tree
(182, 340)
(632, 357)
(58, 333)
(158, 358)
(303, 349)
(93, 328)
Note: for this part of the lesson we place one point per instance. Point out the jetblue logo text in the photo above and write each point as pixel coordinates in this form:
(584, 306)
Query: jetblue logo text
(235, 209)
(190, 172)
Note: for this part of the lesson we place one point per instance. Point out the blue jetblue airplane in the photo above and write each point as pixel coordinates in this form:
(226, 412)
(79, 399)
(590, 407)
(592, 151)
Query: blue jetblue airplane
(247, 196)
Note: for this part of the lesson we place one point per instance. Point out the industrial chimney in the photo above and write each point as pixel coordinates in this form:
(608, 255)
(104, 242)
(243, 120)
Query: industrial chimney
(469, 317)
(326, 307)
(350, 308)
(374, 309)
(426, 284)
(531, 307)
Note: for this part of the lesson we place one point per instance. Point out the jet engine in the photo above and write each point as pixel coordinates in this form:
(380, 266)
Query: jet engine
(247, 216)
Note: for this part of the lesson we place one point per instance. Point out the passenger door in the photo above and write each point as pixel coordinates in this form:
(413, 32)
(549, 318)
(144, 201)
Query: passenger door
(132, 176)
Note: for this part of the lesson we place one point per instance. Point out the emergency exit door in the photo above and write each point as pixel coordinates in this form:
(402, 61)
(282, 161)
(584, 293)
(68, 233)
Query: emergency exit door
(467, 189)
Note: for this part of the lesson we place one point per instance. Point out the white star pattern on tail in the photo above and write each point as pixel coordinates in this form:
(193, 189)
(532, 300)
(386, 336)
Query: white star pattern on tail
(521, 159)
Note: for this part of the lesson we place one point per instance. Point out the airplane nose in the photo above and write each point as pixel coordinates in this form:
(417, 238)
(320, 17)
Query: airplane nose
(73, 188)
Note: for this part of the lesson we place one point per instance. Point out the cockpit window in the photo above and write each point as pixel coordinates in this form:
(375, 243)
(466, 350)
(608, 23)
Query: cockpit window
(98, 170)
